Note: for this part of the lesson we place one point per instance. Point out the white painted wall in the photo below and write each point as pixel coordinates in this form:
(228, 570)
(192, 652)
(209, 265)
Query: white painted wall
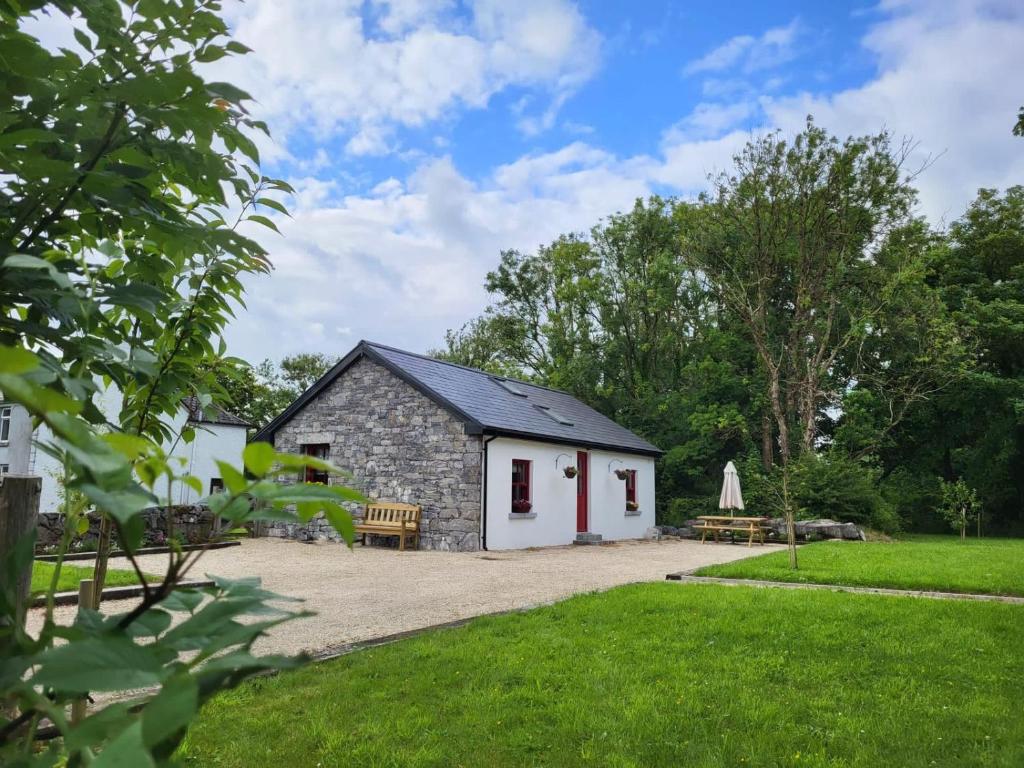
(608, 495)
(552, 519)
(212, 441)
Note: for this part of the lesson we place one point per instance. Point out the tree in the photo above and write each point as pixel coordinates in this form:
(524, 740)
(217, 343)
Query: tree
(960, 506)
(975, 430)
(811, 245)
(299, 372)
(127, 183)
(622, 321)
(258, 394)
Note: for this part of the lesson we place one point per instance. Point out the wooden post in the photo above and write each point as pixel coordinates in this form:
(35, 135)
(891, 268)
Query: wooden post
(85, 600)
(99, 571)
(19, 513)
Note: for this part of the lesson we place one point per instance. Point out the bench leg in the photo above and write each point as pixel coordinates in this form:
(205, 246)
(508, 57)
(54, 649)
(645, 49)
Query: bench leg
(750, 541)
(703, 535)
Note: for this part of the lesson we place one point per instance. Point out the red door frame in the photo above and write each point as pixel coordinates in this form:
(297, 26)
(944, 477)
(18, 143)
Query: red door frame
(582, 491)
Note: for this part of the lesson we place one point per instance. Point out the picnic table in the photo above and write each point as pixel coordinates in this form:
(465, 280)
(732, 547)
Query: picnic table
(753, 526)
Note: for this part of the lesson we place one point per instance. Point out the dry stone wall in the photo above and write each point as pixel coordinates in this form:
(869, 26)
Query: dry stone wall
(399, 446)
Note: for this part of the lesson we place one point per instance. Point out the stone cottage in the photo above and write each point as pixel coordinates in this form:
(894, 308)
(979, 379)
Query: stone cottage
(495, 463)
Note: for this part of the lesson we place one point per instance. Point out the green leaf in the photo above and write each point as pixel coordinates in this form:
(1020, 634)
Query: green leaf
(170, 711)
(105, 663)
(258, 458)
(83, 526)
(126, 751)
(341, 521)
(264, 221)
(150, 624)
(234, 480)
(17, 360)
(270, 202)
(120, 504)
(83, 40)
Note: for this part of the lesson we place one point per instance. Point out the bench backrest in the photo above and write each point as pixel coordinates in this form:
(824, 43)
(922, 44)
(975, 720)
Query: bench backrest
(392, 513)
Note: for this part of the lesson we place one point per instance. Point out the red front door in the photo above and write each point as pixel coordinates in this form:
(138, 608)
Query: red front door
(582, 483)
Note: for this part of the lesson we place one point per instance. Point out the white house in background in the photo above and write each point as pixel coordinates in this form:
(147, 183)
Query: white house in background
(485, 456)
(219, 435)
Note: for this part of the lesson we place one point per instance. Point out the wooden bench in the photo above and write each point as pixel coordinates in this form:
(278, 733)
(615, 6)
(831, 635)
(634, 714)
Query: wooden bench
(752, 526)
(385, 518)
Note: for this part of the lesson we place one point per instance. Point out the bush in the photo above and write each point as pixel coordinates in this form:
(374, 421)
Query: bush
(916, 498)
(686, 508)
(832, 485)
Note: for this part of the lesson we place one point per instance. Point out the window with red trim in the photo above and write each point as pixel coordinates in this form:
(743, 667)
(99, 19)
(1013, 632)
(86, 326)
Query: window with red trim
(631, 486)
(319, 451)
(520, 485)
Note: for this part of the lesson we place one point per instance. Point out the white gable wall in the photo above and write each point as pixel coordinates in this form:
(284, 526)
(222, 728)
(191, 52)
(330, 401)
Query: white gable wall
(212, 441)
(552, 519)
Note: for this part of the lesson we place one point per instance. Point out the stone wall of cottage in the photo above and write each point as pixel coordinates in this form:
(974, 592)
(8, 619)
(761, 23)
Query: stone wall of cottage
(399, 446)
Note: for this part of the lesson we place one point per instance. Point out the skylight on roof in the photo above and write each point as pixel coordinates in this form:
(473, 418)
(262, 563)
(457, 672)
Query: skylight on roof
(508, 386)
(553, 414)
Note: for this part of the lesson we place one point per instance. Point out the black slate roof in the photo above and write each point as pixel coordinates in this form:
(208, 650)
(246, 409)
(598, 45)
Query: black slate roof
(487, 404)
(213, 414)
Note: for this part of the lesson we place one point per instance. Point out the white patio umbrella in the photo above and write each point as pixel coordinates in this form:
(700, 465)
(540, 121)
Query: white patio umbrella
(731, 497)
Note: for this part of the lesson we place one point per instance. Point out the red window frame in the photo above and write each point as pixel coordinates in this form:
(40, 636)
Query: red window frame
(319, 451)
(631, 486)
(521, 480)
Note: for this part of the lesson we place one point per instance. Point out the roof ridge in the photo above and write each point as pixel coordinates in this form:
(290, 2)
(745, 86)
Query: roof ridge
(466, 367)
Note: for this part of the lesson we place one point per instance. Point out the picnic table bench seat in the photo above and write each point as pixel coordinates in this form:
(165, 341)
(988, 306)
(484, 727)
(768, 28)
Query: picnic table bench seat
(386, 518)
(754, 527)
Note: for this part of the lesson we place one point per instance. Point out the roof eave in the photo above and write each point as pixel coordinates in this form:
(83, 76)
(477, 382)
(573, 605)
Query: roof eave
(653, 451)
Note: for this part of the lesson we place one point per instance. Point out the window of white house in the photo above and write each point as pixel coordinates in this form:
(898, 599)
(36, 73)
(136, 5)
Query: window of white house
(319, 451)
(5, 424)
(521, 501)
(4, 469)
(631, 503)
(216, 485)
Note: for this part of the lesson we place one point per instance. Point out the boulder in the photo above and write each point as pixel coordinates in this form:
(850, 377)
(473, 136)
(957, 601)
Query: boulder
(812, 530)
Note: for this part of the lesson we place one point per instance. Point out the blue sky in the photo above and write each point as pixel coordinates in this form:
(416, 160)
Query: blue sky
(425, 136)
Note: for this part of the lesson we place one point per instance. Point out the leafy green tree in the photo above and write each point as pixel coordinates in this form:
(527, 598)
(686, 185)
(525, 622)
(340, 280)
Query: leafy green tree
(619, 319)
(299, 372)
(960, 506)
(258, 394)
(812, 246)
(975, 429)
(127, 186)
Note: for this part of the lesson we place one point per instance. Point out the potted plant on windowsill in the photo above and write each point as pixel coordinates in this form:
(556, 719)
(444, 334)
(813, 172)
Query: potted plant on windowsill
(632, 506)
(570, 472)
(521, 507)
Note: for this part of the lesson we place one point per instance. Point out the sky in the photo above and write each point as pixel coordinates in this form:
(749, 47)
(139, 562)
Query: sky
(424, 137)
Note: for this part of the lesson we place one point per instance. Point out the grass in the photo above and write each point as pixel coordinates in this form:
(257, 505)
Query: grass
(943, 563)
(70, 575)
(653, 675)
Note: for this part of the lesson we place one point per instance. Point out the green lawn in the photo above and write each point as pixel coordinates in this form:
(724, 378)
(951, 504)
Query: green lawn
(653, 675)
(944, 563)
(70, 575)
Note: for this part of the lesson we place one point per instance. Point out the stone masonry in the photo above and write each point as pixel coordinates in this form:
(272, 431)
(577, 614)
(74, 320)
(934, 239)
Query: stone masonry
(399, 446)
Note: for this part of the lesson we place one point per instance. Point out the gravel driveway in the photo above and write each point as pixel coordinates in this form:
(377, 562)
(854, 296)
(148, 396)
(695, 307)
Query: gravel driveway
(371, 592)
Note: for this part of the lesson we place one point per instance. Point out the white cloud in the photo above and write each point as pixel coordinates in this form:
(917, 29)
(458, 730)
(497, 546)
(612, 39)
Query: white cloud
(406, 260)
(945, 79)
(320, 67)
(749, 53)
